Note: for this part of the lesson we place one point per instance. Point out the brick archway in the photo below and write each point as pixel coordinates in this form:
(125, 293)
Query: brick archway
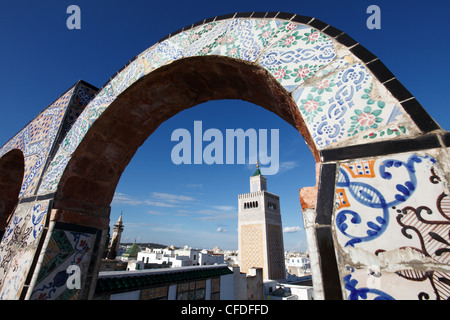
(93, 172)
(380, 156)
(11, 175)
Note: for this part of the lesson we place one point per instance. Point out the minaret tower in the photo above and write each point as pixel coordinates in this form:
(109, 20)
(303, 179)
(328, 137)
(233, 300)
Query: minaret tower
(260, 229)
(115, 241)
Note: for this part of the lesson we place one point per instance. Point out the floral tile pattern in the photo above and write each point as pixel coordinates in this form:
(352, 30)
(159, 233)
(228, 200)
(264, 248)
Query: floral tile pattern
(247, 39)
(297, 56)
(341, 105)
(205, 39)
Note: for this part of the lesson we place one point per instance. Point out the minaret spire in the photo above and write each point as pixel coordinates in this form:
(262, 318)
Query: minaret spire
(257, 172)
(119, 221)
(115, 241)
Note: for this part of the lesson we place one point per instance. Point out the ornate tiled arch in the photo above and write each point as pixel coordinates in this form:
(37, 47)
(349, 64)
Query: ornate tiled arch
(353, 108)
(345, 94)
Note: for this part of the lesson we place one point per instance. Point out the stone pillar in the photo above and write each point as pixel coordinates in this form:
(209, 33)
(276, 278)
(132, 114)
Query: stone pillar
(317, 207)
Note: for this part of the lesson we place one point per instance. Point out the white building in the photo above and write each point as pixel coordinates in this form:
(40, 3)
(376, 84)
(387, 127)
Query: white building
(274, 290)
(231, 257)
(180, 257)
(301, 262)
(298, 265)
(206, 258)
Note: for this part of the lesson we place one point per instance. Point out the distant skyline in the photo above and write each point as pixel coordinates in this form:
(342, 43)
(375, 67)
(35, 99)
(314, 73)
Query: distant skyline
(196, 205)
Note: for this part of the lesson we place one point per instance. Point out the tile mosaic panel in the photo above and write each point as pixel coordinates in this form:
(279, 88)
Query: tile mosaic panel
(83, 94)
(18, 246)
(205, 39)
(14, 279)
(38, 138)
(422, 285)
(73, 137)
(128, 76)
(54, 171)
(36, 141)
(391, 211)
(168, 50)
(345, 105)
(298, 56)
(284, 29)
(245, 40)
(65, 248)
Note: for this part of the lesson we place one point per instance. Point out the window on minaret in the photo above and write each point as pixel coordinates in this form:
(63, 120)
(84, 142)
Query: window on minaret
(272, 205)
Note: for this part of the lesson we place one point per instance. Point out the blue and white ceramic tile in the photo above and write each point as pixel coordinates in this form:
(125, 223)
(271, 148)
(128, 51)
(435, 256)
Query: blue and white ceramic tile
(247, 39)
(422, 285)
(298, 56)
(375, 196)
(392, 214)
(128, 76)
(53, 173)
(14, 278)
(204, 39)
(340, 106)
(36, 140)
(18, 245)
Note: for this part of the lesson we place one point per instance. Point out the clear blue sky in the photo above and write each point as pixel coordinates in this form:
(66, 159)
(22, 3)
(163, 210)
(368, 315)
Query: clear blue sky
(196, 205)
